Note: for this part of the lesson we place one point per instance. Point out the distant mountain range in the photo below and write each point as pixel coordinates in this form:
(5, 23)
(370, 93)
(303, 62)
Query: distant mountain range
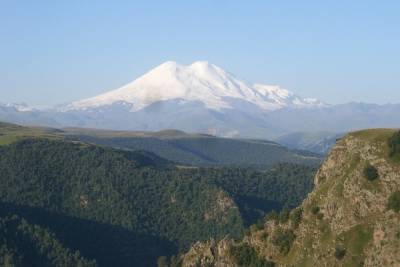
(204, 98)
(317, 142)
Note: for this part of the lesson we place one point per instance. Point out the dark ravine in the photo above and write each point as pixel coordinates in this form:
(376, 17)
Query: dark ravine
(26, 244)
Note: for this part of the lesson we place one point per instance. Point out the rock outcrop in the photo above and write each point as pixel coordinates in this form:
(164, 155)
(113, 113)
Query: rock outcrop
(346, 220)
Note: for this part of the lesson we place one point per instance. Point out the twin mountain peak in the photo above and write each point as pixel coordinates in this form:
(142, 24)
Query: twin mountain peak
(200, 82)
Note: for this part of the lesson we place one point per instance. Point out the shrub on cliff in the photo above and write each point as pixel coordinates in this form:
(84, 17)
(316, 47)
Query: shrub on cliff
(296, 216)
(394, 201)
(394, 144)
(315, 210)
(283, 239)
(245, 255)
(370, 172)
(339, 253)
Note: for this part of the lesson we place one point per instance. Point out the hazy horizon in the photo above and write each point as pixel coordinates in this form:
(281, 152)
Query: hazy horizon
(340, 52)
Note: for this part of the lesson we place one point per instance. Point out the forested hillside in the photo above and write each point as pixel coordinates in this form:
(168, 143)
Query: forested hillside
(24, 244)
(197, 149)
(124, 208)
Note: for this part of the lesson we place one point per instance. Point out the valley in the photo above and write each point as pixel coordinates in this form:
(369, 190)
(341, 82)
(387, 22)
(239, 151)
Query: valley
(128, 207)
(199, 133)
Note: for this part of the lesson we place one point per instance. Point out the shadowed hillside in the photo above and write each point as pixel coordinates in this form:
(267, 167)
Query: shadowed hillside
(131, 207)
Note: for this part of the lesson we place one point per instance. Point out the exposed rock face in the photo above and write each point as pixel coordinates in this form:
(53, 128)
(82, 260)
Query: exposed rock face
(345, 221)
(209, 254)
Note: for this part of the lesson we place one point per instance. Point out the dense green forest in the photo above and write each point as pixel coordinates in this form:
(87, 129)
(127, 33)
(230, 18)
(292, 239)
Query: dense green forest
(113, 188)
(128, 208)
(24, 244)
(259, 192)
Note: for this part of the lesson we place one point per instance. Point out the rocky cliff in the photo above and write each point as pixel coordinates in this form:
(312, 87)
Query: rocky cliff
(350, 219)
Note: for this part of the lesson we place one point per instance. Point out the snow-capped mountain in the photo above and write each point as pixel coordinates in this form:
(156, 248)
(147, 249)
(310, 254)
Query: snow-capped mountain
(204, 98)
(22, 107)
(285, 99)
(201, 82)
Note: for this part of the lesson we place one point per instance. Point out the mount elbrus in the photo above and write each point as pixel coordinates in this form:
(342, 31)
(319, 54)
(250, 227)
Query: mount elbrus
(174, 96)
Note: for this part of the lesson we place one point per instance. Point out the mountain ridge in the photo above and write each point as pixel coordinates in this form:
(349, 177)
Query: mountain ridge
(351, 217)
(176, 146)
(199, 81)
(204, 98)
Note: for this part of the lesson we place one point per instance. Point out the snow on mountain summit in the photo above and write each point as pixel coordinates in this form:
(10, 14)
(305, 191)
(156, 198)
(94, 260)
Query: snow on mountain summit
(285, 98)
(22, 107)
(202, 82)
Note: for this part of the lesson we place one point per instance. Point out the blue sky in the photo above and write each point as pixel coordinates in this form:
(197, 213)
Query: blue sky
(339, 51)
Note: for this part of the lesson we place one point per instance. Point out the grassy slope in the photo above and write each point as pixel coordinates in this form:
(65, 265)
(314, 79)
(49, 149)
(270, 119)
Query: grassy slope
(197, 149)
(10, 133)
(188, 149)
